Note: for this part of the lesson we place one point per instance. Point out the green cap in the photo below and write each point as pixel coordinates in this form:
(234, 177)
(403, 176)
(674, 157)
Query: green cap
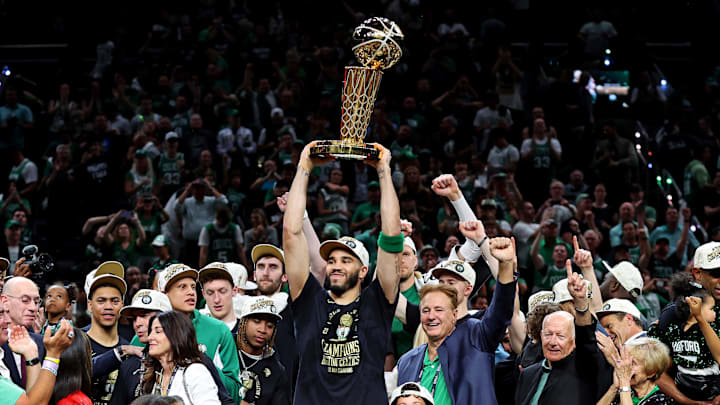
(11, 222)
(581, 197)
(332, 230)
(373, 184)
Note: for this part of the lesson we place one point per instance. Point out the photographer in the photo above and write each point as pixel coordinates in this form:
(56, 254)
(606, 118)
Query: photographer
(118, 236)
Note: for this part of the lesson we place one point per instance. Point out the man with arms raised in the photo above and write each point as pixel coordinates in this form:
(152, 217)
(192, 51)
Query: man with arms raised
(456, 365)
(342, 334)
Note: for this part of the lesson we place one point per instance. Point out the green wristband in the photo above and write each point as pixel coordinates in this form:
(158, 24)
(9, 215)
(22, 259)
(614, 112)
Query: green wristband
(391, 244)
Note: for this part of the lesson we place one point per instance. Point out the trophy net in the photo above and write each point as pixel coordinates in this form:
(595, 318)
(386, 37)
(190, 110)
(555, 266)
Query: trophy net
(359, 92)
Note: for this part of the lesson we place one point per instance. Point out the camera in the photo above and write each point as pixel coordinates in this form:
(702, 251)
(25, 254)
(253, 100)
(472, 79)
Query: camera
(40, 263)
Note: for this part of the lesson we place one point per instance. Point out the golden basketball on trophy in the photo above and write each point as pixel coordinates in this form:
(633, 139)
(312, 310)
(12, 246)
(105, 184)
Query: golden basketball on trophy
(377, 48)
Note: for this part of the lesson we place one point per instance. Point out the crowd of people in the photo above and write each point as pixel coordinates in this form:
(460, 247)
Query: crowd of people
(169, 238)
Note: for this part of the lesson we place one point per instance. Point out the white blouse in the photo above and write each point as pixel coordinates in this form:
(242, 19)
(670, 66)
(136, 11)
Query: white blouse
(200, 386)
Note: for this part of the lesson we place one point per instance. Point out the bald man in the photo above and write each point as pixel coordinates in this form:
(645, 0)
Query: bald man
(21, 300)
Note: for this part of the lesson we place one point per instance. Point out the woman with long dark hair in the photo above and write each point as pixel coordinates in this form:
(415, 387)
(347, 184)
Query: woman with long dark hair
(174, 366)
(74, 378)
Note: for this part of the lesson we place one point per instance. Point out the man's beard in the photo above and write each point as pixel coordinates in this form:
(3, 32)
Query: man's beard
(352, 281)
(271, 289)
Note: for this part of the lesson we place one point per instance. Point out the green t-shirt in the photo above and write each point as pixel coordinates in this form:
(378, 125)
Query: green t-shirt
(9, 391)
(364, 211)
(402, 339)
(433, 375)
(552, 275)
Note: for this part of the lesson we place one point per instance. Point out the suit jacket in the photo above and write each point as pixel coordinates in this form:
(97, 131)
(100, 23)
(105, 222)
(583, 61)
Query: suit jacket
(9, 359)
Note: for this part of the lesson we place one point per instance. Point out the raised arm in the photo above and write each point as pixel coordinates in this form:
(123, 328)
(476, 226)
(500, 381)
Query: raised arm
(537, 259)
(297, 257)
(491, 329)
(684, 233)
(388, 263)
(578, 290)
(711, 337)
(317, 264)
(446, 186)
(584, 260)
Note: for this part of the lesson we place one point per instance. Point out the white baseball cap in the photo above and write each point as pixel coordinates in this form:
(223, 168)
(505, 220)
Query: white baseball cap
(171, 135)
(240, 276)
(174, 272)
(460, 268)
(707, 256)
(628, 276)
(562, 294)
(159, 241)
(538, 298)
(409, 243)
(148, 300)
(619, 305)
(414, 389)
(260, 305)
(110, 272)
(346, 243)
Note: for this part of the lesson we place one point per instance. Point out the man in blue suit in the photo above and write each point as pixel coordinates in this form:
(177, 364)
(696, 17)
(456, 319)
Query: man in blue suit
(456, 365)
(20, 302)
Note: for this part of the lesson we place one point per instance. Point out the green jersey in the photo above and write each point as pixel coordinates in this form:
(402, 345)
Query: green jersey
(402, 339)
(221, 245)
(541, 157)
(168, 169)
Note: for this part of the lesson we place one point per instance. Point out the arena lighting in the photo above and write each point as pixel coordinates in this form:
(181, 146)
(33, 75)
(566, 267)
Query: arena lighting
(638, 147)
(649, 165)
(6, 71)
(693, 228)
(637, 135)
(669, 197)
(625, 105)
(608, 51)
(663, 82)
(669, 180)
(607, 61)
(612, 97)
(659, 179)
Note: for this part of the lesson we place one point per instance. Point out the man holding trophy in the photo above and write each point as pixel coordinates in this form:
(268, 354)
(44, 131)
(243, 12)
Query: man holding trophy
(342, 334)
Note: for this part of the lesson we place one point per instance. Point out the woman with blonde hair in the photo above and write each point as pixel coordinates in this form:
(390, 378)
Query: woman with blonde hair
(637, 370)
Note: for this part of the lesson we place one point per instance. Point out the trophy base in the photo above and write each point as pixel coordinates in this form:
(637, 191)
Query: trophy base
(341, 150)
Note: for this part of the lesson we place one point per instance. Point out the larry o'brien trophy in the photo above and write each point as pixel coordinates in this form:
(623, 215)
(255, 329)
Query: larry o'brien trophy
(377, 49)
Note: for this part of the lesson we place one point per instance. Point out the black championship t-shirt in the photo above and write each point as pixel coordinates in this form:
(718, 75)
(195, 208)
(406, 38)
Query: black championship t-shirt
(102, 386)
(342, 347)
(263, 380)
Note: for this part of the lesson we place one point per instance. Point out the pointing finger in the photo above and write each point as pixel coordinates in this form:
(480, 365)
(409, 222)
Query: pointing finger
(568, 267)
(575, 244)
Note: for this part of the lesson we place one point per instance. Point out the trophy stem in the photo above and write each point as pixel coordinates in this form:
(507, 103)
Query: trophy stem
(359, 92)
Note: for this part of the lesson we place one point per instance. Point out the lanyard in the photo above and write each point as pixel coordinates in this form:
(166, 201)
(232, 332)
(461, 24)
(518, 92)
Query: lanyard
(435, 379)
(172, 377)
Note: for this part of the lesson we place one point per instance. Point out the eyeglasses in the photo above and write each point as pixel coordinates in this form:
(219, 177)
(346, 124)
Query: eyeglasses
(26, 299)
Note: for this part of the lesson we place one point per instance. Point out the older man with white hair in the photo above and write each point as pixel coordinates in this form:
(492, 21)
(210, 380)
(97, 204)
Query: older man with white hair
(574, 368)
(20, 299)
